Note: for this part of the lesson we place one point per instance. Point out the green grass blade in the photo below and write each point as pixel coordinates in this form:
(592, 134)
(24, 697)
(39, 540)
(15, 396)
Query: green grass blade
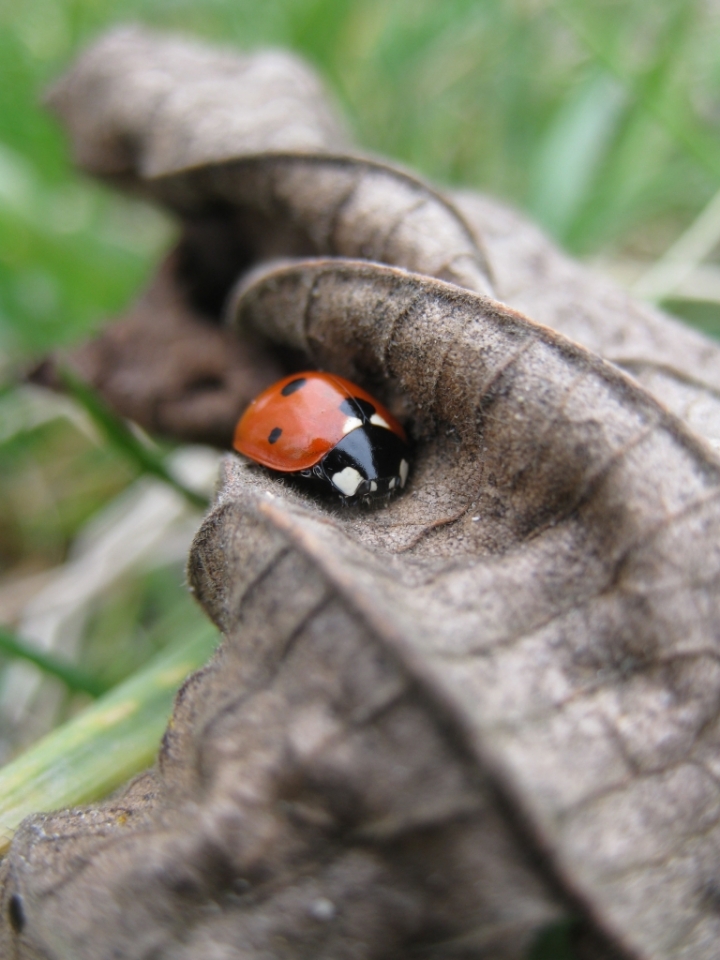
(680, 125)
(575, 146)
(100, 749)
(123, 439)
(71, 675)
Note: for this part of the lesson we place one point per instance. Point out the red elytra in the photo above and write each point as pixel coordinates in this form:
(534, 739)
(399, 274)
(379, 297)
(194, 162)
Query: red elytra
(292, 425)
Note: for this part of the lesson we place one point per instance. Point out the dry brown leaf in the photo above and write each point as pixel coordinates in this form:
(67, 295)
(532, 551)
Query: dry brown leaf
(139, 106)
(678, 365)
(140, 103)
(248, 152)
(436, 727)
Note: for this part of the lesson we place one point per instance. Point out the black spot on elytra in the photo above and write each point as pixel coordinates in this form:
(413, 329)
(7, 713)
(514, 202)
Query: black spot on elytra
(355, 407)
(16, 913)
(292, 387)
(274, 434)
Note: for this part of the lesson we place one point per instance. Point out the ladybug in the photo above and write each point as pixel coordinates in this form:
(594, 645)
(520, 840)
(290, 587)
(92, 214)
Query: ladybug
(322, 427)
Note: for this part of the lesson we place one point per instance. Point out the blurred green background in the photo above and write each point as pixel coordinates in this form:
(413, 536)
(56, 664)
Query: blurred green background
(599, 118)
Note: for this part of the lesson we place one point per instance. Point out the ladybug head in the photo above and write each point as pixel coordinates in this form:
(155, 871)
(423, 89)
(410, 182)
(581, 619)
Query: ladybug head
(369, 461)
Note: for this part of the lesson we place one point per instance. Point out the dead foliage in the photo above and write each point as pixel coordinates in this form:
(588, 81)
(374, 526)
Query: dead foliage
(437, 727)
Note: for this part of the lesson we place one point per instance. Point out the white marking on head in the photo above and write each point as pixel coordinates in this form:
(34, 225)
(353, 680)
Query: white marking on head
(404, 467)
(380, 421)
(373, 486)
(347, 481)
(352, 423)
(391, 485)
